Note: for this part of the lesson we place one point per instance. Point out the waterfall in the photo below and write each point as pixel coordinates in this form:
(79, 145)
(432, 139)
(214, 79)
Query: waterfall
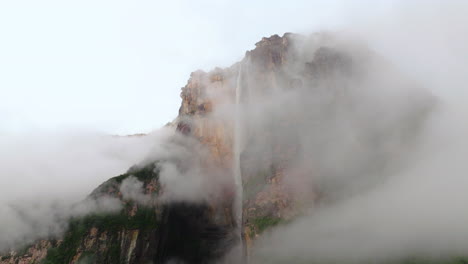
(237, 148)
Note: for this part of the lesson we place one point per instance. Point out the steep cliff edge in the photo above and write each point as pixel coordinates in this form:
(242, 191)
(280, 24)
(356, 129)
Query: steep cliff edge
(302, 106)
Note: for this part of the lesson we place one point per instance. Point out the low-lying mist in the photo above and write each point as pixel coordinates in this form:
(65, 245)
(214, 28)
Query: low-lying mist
(418, 211)
(47, 176)
(414, 207)
(370, 124)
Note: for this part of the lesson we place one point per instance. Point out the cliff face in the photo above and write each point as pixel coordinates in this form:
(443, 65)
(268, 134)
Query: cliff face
(206, 94)
(277, 85)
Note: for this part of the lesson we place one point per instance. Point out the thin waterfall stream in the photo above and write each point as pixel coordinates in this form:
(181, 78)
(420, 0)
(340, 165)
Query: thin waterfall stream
(237, 148)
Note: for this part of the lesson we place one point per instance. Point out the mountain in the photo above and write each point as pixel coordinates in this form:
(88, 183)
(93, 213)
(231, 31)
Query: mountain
(300, 122)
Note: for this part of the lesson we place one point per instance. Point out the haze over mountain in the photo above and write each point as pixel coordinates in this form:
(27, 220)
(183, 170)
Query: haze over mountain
(337, 146)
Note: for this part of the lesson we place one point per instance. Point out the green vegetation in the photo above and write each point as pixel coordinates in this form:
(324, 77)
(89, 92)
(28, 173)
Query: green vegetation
(67, 249)
(144, 219)
(263, 223)
(114, 252)
(87, 257)
(414, 260)
(143, 174)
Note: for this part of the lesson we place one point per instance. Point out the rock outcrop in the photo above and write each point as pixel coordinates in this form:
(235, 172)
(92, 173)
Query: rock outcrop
(279, 84)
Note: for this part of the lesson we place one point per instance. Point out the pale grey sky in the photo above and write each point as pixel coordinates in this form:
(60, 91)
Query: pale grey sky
(118, 66)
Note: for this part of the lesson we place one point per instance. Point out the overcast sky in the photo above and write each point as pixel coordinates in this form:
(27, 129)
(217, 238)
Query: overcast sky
(118, 66)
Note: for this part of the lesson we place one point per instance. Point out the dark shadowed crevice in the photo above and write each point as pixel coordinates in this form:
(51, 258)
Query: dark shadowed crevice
(188, 234)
